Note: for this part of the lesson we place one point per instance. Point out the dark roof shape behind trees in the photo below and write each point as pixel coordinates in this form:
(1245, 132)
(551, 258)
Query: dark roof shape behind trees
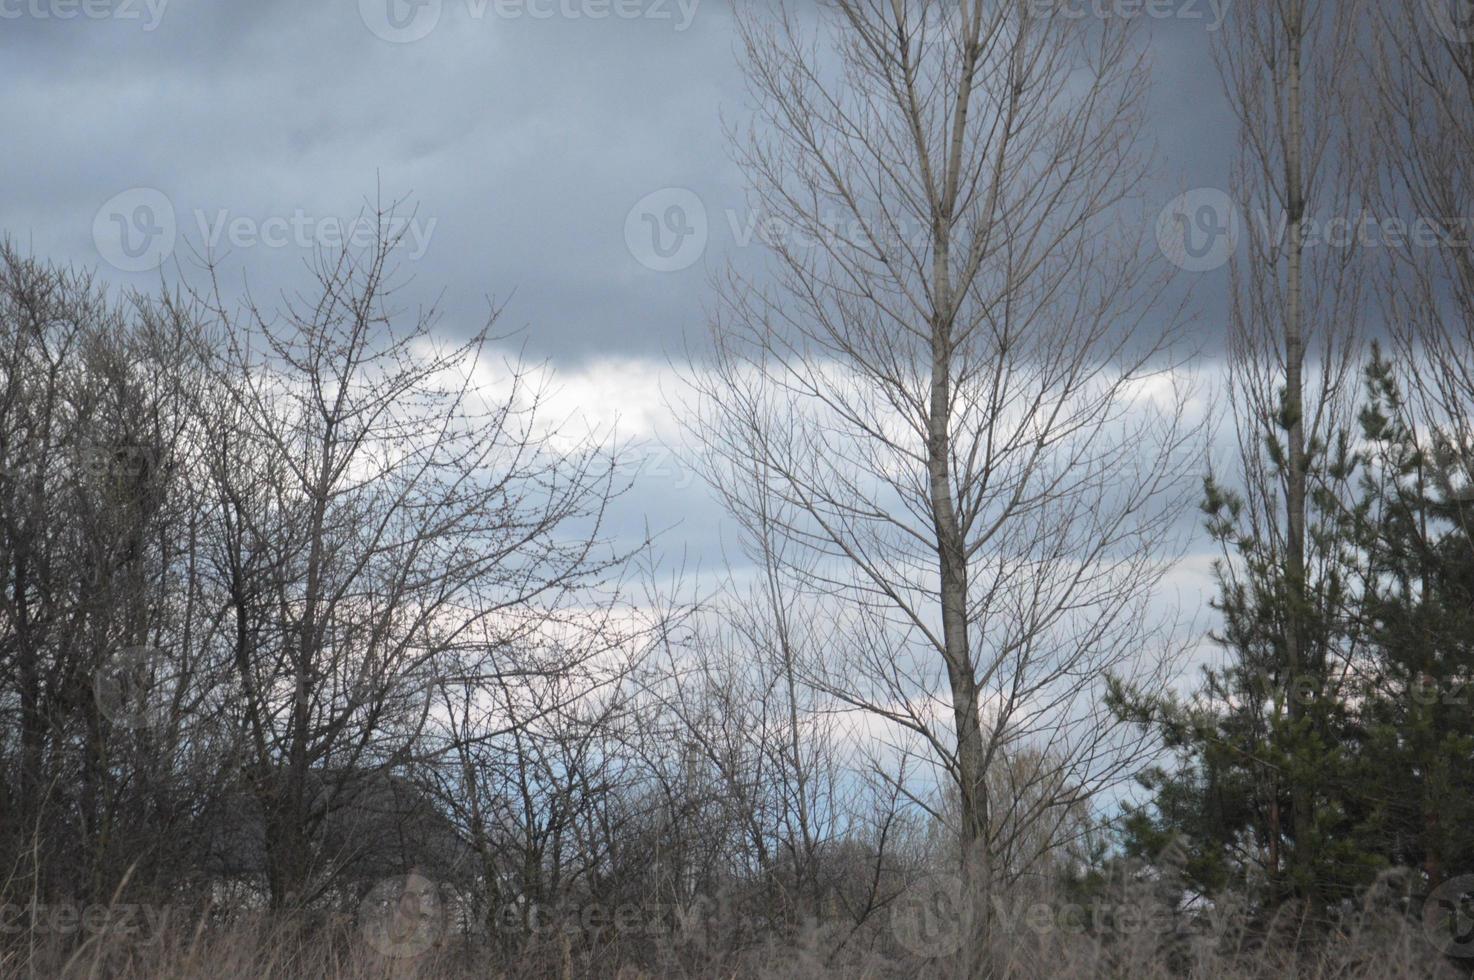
(380, 824)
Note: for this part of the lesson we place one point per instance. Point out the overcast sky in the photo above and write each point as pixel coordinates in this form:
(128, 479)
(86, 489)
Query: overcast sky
(535, 141)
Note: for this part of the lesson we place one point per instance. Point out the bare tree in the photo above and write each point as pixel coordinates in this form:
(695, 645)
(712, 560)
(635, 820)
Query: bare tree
(762, 765)
(1420, 164)
(957, 386)
(1295, 327)
(527, 756)
(382, 503)
(102, 622)
(1422, 143)
(46, 316)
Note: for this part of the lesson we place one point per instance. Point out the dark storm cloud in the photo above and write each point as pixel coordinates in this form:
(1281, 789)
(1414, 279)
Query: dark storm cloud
(522, 141)
(523, 131)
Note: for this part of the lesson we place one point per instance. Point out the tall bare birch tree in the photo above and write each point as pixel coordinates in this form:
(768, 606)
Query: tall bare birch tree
(1423, 146)
(957, 383)
(1294, 328)
(1421, 165)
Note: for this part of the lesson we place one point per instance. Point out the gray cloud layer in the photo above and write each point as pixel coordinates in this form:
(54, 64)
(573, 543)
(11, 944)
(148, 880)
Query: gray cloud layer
(523, 141)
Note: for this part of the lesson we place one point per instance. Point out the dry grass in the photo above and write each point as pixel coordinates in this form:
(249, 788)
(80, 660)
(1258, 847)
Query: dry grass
(1380, 948)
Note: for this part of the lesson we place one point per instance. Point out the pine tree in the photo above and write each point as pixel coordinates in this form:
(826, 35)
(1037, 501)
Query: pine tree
(1417, 608)
(1385, 736)
(1266, 728)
